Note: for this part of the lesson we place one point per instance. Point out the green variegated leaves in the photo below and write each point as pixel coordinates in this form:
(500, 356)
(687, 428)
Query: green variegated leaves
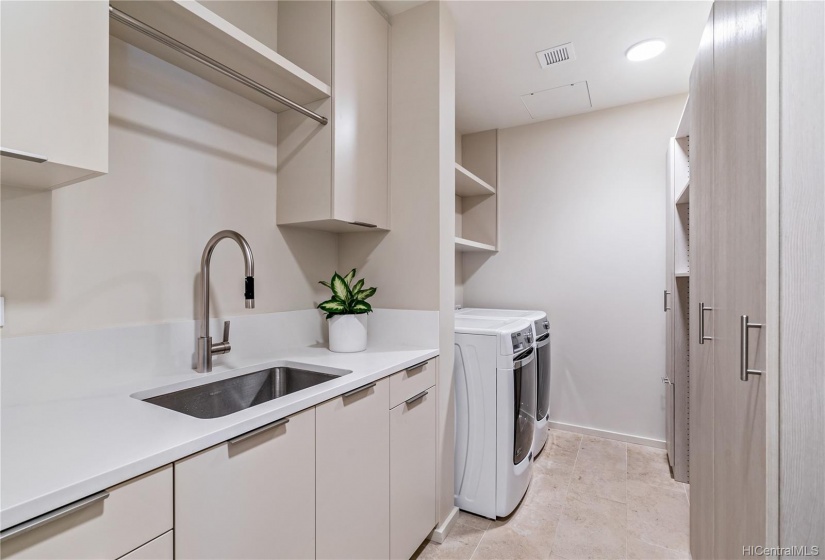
(347, 299)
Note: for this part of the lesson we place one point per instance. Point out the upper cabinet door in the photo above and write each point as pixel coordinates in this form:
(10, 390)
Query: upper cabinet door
(55, 91)
(360, 105)
(336, 177)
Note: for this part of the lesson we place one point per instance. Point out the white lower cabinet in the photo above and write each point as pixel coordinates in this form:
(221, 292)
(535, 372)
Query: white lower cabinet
(162, 548)
(252, 497)
(119, 521)
(353, 474)
(412, 473)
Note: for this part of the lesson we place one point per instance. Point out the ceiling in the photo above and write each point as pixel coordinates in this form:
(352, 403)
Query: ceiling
(497, 41)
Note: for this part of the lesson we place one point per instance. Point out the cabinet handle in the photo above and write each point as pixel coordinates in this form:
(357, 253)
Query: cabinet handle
(27, 526)
(416, 366)
(418, 397)
(666, 307)
(260, 430)
(744, 325)
(359, 389)
(702, 337)
(25, 156)
(364, 224)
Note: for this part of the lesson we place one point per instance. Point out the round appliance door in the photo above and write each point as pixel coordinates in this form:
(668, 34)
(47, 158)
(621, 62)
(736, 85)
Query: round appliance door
(543, 377)
(524, 401)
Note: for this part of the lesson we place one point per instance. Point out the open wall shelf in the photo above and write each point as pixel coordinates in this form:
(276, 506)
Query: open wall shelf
(466, 245)
(209, 34)
(467, 184)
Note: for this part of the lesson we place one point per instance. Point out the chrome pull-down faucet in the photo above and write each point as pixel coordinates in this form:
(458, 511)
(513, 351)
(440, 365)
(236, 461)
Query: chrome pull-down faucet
(205, 347)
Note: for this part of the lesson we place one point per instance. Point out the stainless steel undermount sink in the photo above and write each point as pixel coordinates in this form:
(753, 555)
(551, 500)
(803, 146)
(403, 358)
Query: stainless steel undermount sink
(226, 396)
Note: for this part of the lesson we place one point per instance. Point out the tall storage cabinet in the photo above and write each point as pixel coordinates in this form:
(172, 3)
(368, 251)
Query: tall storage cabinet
(729, 89)
(336, 177)
(676, 301)
(54, 125)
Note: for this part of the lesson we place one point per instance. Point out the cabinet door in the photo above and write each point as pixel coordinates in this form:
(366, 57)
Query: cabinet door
(361, 84)
(701, 279)
(352, 475)
(250, 499)
(412, 474)
(739, 58)
(55, 91)
(668, 304)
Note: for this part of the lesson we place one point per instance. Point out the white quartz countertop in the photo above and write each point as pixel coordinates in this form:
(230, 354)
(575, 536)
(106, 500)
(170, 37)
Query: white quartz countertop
(57, 452)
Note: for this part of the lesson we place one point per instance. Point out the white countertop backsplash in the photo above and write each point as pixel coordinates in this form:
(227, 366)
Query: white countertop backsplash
(70, 427)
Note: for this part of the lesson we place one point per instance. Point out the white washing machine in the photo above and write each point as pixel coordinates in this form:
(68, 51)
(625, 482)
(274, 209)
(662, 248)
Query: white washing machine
(495, 392)
(541, 342)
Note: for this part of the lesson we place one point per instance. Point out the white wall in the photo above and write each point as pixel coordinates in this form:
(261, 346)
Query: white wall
(583, 238)
(187, 159)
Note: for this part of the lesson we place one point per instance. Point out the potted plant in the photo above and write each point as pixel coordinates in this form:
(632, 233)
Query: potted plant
(347, 312)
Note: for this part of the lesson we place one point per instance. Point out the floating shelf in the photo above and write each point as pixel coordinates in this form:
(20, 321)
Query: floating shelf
(684, 195)
(683, 274)
(465, 245)
(467, 184)
(201, 29)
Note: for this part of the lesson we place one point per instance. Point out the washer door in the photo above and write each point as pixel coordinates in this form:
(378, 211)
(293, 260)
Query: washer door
(543, 378)
(524, 404)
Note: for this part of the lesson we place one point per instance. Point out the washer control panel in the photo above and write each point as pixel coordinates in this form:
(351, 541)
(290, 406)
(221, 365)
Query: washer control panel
(522, 340)
(542, 326)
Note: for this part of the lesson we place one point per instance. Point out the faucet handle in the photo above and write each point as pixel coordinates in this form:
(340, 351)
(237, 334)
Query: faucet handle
(223, 347)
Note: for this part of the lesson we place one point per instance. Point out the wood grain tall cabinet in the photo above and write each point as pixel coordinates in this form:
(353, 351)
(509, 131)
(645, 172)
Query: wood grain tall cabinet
(729, 90)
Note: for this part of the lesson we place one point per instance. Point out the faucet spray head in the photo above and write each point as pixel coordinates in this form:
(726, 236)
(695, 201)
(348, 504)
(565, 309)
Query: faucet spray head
(249, 292)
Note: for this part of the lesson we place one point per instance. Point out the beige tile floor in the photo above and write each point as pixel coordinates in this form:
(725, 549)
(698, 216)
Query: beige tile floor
(589, 498)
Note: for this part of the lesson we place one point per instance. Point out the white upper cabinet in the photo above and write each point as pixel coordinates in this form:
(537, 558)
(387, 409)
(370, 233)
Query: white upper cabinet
(55, 92)
(336, 177)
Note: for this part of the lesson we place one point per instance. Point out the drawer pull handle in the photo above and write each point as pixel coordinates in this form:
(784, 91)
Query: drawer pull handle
(418, 397)
(257, 431)
(418, 365)
(27, 526)
(25, 156)
(359, 389)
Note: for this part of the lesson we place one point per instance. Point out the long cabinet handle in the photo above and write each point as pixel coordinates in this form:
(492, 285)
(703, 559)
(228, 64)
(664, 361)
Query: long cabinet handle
(702, 337)
(666, 307)
(27, 526)
(260, 430)
(360, 389)
(418, 397)
(25, 156)
(418, 365)
(744, 325)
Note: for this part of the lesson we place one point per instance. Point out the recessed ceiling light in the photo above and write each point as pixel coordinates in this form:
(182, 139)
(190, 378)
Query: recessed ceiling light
(645, 50)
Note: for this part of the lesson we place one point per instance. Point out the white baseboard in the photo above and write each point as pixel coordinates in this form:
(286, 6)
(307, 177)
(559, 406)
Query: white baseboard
(627, 438)
(440, 533)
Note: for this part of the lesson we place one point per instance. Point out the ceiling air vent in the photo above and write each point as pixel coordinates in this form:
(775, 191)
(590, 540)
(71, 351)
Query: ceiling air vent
(556, 55)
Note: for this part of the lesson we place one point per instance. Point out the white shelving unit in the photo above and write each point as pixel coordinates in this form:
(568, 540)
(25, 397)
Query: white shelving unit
(468, 184)
(684, 195)
(465, 245)
(209, 34)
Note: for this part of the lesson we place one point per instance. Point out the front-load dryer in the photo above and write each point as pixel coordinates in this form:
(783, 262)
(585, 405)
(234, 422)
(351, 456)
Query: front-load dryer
(541, 343)
(495, 392)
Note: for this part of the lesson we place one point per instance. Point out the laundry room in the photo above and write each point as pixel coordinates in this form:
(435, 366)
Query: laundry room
(412, 279)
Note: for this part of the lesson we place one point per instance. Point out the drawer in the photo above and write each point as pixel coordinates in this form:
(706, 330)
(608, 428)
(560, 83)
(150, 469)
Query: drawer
(133, 514)
(412, 381)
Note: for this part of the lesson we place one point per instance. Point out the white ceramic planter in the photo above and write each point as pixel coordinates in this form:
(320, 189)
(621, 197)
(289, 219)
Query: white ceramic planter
(348, 333)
